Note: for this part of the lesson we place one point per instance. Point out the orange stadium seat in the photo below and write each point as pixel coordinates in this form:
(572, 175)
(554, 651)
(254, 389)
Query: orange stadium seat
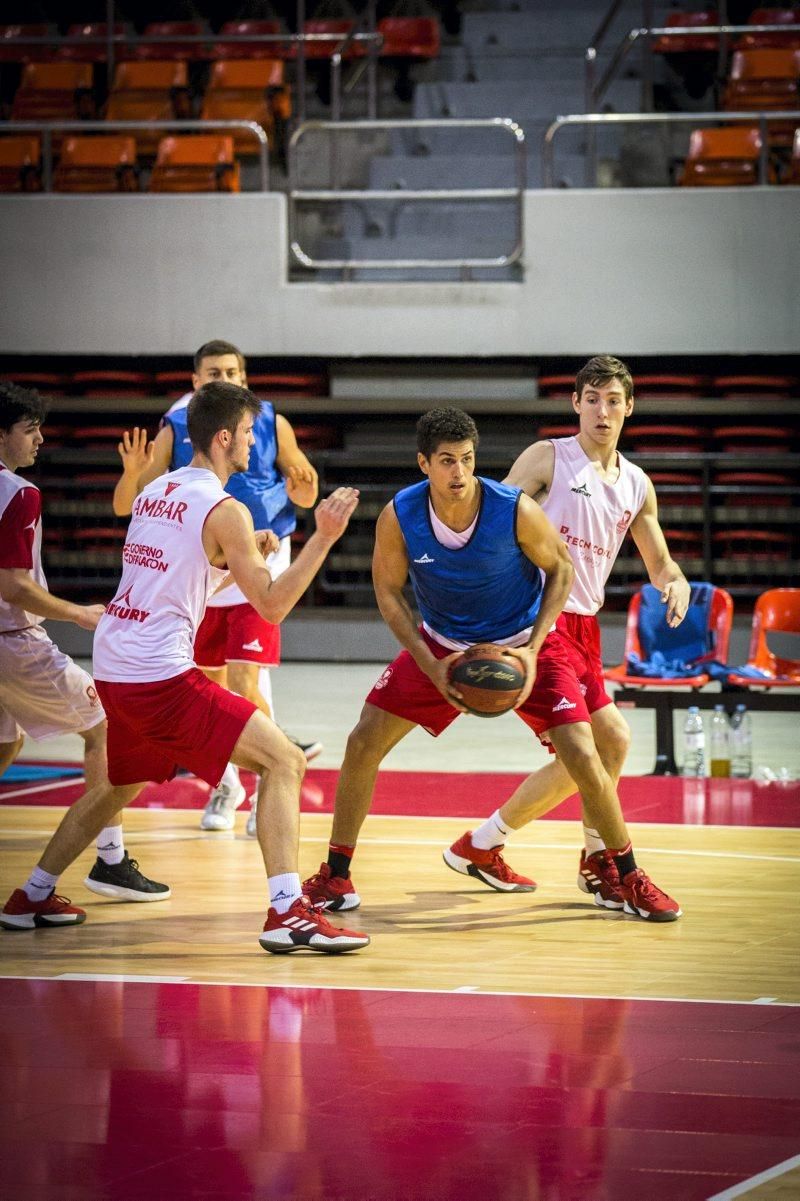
(54, 91)
(794, 167)
(722, 158)
(80, 50)
(195, 163)
(176, 49)
(776, 611)
(97, 164)
(236, 50)
(247, 90)
(13, 51)
(410, 37)
(149, 91)
(689, 42)
(20, 169)
(776, 39)
(765, 79)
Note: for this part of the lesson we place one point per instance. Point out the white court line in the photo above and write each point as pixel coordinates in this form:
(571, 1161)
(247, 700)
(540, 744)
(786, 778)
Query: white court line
(739, 1190)
(480, 992)
(34, 787)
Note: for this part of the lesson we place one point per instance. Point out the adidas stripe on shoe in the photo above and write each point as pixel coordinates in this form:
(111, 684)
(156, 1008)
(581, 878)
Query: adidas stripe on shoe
(304, 927)
(598, 876)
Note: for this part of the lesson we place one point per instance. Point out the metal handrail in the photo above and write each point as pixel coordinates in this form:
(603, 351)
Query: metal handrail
(49, 127)
(335, 195)
(762, 117)
(375, 43)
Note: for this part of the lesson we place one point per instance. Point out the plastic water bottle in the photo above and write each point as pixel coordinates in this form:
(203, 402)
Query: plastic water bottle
(720, 744)
(741, 744)
(694, 744)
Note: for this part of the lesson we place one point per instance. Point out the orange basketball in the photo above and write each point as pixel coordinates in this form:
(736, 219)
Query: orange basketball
(488, 678)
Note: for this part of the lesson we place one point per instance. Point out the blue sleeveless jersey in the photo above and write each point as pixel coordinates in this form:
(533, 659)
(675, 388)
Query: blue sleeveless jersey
(261, 488)
(483, 591)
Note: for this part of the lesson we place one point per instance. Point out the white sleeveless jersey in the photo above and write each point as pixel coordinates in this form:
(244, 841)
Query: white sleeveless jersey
(20, 542)
(147, 631)
(592, 517)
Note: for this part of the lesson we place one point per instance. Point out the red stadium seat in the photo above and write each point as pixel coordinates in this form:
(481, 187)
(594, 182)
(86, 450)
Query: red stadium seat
(758, 439)
(744, 488)
(327, 49)
(754, 385)
(236, 50)
(677, 488)
(753, 545)
(176, 49)
(722, 158)
(649, 439)
(776, 611)
(557, 431)
(670, 385)
(113, 383)
(556, 385)
(79, 50)
(410, 37)
(689, 42)
(11, 49)
(776, 39)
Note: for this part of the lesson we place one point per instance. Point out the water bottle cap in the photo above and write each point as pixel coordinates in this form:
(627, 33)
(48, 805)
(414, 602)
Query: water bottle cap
(693, 709)
(717, 708)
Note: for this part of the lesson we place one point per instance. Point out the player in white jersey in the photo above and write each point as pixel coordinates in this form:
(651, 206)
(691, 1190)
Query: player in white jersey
(43, 693)
(593, 496)
(186, 536)
(235, 646)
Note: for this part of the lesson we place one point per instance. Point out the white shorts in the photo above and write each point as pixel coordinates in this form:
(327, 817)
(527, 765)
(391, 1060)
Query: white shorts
(42, 692)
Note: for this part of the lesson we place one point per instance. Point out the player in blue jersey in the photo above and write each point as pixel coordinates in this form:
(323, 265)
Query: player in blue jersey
(235, 647)
(475, 552)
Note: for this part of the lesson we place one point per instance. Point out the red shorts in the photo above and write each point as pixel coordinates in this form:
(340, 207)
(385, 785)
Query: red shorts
(556, 698)
(187, 721)
(236, 634)
(583, 634)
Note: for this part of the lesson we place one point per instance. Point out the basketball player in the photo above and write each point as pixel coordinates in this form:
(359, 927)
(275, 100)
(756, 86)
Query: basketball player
(42, 692)
(475, 551)
(593, 496)
(235, 646)
(186, 534)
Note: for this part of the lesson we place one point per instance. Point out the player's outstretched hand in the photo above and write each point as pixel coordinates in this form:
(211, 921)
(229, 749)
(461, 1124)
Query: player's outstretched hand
(298, 478)
(135, 451)
(267, 542)
(527, 658)
(333, 513)
(88, 616)
(438, 675)
(676, 597)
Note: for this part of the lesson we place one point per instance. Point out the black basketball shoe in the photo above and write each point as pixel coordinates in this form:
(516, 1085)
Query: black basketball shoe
(125, 882)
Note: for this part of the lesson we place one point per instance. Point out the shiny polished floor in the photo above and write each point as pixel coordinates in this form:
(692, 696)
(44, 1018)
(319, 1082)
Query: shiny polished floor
(529, 1047)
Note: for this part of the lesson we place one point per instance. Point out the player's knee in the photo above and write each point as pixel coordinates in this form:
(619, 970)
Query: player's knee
(364, 741)
(615, 745)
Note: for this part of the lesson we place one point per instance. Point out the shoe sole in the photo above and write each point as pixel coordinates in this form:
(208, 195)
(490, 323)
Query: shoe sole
(664, 915)
(118, 893)
(599, 900)
(29, 921)
(350, 900)
(287, 948)
(216, 829)
(465, 867)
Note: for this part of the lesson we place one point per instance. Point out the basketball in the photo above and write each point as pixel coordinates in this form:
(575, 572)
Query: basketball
(488, 678)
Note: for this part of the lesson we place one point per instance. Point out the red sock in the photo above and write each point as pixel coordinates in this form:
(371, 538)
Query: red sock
(339, 857)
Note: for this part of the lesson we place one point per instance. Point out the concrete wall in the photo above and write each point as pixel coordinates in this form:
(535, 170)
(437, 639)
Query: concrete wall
(647, 272)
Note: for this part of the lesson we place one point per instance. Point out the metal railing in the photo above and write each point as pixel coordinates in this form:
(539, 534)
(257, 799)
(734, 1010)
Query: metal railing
(48, 128)
(336, 195)
(593, 120)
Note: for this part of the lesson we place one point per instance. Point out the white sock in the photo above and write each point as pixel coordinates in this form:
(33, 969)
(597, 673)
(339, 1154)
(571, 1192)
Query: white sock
(493, 833)
(284, 891)
(592, 841)
(230, 777)
(265, 688)
(39, 885)
(111, 845)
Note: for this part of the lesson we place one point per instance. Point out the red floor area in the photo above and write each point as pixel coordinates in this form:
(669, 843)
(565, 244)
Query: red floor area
(139, 1092)
(669, 799)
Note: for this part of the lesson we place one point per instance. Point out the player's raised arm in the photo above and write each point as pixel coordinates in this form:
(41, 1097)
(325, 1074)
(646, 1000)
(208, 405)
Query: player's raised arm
(142, 462)
(533, 470)
(302, 485)
(662, 569)
(229, 539)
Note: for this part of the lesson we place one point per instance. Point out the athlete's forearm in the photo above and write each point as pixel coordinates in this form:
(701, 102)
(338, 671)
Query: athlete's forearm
(125, 494)
(555, 593)
(398, 616)
(668, 573)
(275, 599)
(24, 592)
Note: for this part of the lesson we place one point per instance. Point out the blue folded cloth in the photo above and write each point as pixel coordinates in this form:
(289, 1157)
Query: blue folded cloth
(659, 667)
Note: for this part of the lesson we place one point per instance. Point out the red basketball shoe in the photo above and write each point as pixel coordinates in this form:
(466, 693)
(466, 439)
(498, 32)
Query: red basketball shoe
(21, 913)
(304, 926)
(487, 866)
(330, 892)
(599, 877)
(645, 899)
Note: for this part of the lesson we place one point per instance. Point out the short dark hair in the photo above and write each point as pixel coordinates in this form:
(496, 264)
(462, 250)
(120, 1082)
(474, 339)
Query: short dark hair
(216, 407)
(20, 404)
(214, 350)
(444, 425)
(600, 370)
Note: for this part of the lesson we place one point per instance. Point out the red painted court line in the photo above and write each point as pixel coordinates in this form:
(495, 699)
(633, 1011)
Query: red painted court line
(155, 1090)
(669, 799)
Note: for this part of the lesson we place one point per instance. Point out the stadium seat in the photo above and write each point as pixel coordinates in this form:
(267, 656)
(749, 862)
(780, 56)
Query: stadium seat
(410, 37)
(556, 385)
(54, 91)
(758, 439)
(195, 163)
(149, 91)
(670, 385)
(248, 90)
(722, 158)
(556, 431)
(97, 164)
(765, 79)
(776, 611)
(238, 50)
(20, 169)
(11, 51)
(776, 39)
(112, 383)
(312, 384)
(677, 488)
(326, 49)
(753, 545)
(744, 488)
(703, 634)
(176, 50)
(794, 168)
(755, 385)
(653, 439)
(689, 42)
(684, 543)
(79, 50)
(47, 381)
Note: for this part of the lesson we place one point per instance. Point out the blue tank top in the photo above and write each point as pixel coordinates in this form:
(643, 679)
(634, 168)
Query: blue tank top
(261, 488)
(485, 590)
